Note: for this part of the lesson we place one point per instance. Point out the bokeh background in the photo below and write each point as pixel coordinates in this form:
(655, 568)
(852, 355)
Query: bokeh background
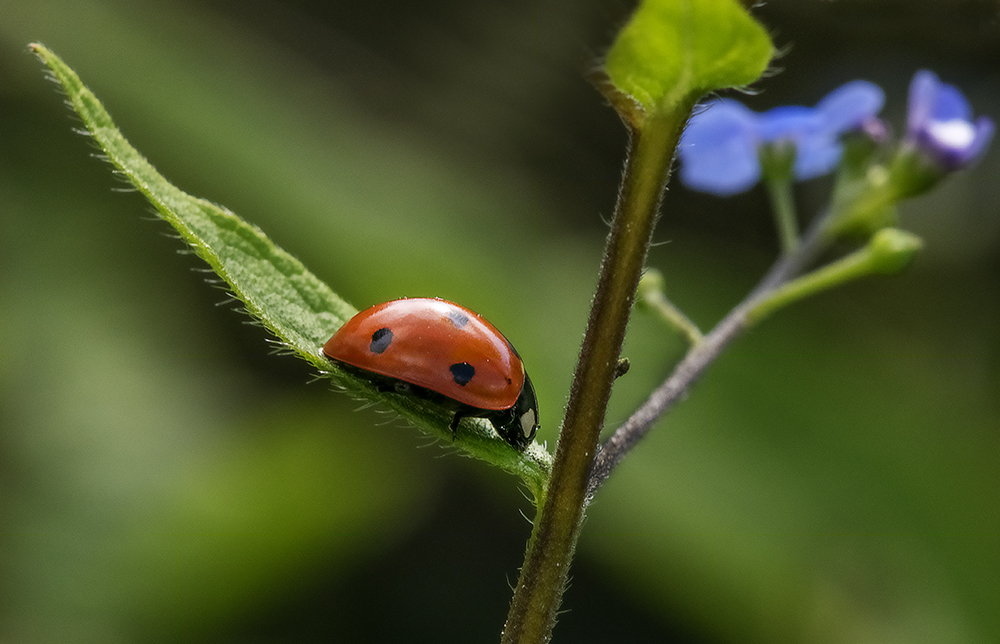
(164, 478)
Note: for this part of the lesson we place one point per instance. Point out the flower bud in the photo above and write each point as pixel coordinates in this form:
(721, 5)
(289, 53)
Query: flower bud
(891, 250)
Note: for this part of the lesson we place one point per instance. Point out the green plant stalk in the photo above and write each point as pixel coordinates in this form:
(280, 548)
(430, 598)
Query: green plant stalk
(779, 188)
(887, 252)
(652, 297)
(550, 550)
(674, 317)
(855, 265)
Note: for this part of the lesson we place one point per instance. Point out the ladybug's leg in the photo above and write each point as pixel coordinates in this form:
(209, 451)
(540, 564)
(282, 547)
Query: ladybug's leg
(385, 384)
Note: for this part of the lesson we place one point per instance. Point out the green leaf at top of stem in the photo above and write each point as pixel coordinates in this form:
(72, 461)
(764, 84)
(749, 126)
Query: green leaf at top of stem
(671, 50)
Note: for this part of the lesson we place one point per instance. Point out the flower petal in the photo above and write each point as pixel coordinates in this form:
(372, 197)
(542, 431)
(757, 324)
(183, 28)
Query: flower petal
(816, 156)
(790, 123)
(984, 133)
(848, 106)
(920, 103)
(939, 123)
(950, 105)
(718, 150)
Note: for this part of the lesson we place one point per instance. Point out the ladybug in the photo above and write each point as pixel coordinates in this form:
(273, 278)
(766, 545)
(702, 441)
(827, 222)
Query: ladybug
(444, 353)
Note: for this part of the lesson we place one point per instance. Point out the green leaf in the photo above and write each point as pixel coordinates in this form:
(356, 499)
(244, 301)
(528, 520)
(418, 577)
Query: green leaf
(292, 303)
(276, 288)
(672, 51)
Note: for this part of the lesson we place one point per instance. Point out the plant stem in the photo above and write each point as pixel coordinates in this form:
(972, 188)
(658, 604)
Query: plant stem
(783, 205)
(655, 299)
(543, 576)
(845, 269)
(888, 251)
(697, 360)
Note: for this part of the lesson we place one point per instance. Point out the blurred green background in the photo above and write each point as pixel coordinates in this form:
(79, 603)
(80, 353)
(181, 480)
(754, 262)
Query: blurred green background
(164, 478)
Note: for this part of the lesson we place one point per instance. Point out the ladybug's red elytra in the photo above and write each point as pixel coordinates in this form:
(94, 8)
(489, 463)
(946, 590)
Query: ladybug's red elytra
(446, 353)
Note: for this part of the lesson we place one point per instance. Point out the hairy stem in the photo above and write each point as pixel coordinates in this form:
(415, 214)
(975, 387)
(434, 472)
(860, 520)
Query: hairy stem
(550, 551)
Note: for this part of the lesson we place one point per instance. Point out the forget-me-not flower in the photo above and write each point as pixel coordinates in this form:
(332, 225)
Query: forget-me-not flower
(940, 125)
(719, 150)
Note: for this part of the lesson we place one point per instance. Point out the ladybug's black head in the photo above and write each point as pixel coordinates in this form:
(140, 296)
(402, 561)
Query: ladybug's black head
(516, 425)
(520, 422)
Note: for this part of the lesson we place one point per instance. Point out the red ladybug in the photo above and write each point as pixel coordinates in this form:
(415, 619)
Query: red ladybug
(443, 352)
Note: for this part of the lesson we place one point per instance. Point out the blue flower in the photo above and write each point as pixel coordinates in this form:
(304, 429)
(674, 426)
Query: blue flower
(719, 151)
(939, 123)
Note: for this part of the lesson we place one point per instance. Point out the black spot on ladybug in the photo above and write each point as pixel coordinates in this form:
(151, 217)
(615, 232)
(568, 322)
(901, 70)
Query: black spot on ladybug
(458, 318)
(462, 372)
(381, 340)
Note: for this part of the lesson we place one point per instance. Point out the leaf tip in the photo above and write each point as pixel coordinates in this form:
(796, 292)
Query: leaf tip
(44, 54)
(39, 49)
